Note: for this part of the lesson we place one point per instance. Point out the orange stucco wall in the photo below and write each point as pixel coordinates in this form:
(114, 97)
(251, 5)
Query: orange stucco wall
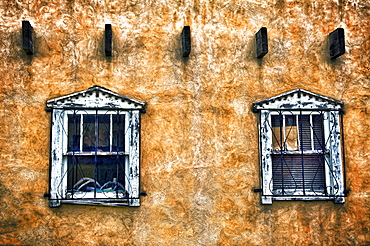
(199, 139)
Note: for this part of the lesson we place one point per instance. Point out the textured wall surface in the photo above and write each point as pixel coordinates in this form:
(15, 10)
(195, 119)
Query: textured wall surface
(199, 149)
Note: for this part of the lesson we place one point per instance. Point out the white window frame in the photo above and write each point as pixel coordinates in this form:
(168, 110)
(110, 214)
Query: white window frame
(95, 100)
(294, 103)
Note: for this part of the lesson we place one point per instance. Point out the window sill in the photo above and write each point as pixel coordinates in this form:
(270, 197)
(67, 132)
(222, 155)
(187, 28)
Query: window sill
(336, 199)
(103, 202)
(298, 152)
(88, 153)
(97, 195)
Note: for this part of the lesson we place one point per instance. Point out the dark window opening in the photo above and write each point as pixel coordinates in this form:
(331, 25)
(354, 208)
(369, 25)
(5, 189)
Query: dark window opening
(96, 174)
(298, 159)
(96, 132)
(96, 158)
(291, 173)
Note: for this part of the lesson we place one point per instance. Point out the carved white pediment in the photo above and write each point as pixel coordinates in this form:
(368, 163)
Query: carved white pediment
(298, 99)
(95, 97)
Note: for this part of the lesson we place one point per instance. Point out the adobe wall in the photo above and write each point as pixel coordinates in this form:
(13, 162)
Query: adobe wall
(199, 147)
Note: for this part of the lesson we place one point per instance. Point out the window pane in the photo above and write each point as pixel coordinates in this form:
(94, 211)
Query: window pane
(285, 138)
(291, 134)
(103, 173)
(89, 133)
(104, 132)
(118, 132)
(318, 132)
(74, 123)
(305, 132)
(277, 134)
(298, 172)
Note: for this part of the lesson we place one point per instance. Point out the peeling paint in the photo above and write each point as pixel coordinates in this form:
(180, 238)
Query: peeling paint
(199, 154)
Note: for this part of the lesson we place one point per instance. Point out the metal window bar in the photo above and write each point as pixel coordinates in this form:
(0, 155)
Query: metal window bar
(303, 169)
(314, 164)
(76, 154)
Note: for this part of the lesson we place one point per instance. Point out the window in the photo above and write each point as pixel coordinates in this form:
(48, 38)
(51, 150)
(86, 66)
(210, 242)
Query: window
(95, 149)
(300, 147)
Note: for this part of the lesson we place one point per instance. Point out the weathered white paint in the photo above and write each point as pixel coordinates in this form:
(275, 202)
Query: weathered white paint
(134, 158)
(56, 158)
(294, 102)
(298, 99)
(90, 101)
(95, 97)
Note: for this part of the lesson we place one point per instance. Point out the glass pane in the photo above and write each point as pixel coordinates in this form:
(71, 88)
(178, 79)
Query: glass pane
(291, 133)
(104, 132)
(305, 132)
(277, 134)
(80, 171)
(285, 138)
(89, 133)
(74, 123)
(96, 174)
(118, 133)
(318, 132)
(298, 172)
(110, 169)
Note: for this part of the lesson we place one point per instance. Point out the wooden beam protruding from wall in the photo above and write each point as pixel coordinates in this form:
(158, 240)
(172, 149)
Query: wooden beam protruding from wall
(27, 31)
(186, 42)
(108, 40)
(261, 42)
(337, 45)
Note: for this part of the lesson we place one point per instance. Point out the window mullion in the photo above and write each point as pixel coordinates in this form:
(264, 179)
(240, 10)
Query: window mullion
(329, 180)
(110, 132)
(312, 133)
(283, 133)
(96, 151)
(300, 131)
(74, 175)
(81, 133)
(117, 160)
(282, 148)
